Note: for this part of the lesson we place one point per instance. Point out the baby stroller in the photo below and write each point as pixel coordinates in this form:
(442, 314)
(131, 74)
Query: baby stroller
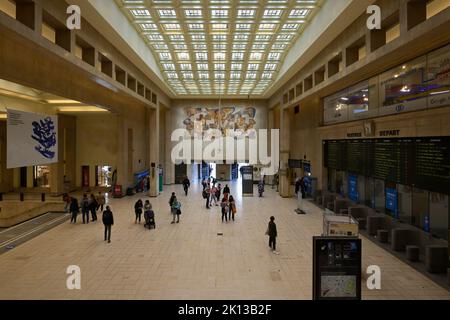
(149, 217)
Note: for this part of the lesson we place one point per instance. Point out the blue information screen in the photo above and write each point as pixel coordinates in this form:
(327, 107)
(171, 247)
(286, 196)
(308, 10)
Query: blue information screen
(392, 201)
(353, 187)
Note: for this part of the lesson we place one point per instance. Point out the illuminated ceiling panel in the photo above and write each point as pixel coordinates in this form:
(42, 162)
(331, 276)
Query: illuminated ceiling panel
(220, 46)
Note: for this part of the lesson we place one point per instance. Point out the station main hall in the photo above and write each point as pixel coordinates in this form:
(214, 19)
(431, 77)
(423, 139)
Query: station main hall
(224, 150)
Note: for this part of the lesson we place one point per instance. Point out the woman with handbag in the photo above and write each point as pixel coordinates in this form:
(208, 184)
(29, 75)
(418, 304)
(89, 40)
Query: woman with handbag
(232, 210)
(176, 210)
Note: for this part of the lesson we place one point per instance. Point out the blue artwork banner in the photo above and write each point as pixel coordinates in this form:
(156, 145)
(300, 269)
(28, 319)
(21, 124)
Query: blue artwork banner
(32, 139)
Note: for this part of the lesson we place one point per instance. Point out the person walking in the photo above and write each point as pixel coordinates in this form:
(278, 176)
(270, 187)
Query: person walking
(213, 194)
(261, 188)
(224, 205)
(68, 201)
(100, 201)
(206, 195)
(108, 222)
(232, 208)
(85, 208)
(93, 207)
(74, 210)
(273, 234)
(176, 210)
(218, 192)
(138, 210)
(186, 185)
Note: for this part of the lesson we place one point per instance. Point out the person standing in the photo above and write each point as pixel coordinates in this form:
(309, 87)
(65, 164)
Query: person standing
(93, 207)
(186, 185)
(273, 234)
(226, 191)
(232, 208)
(206, 195)
(172, 198)
(224, 205)
(138, 210)
(176, 210)
(108, 222)
(100, 201)
(303, 187)
(85, 208)
(74, 209)
(148, 183)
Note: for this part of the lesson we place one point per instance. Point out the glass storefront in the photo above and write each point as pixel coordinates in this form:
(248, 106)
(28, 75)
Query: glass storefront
(41, 176)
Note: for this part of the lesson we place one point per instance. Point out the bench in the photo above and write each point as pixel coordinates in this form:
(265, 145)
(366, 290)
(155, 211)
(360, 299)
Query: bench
(412, 253)
(436, 258)
(374, 223)
(383, 235)
(401, 238)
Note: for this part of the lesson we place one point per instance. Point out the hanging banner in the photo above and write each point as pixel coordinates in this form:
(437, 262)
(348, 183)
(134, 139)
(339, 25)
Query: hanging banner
(32, 139)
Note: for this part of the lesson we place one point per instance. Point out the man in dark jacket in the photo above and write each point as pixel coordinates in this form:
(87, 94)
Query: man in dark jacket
(272, 233)
(108, 221)
(74, 209)
(186, 185)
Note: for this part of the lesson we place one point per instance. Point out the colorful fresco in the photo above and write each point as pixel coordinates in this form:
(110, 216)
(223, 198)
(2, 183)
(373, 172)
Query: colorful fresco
(232, 121)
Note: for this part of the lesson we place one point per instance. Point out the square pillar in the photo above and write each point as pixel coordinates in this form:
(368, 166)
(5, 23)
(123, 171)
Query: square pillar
(153, 125)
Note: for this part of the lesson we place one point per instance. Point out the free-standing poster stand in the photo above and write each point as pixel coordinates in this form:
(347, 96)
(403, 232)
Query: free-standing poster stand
(247, 181)
(336, 268)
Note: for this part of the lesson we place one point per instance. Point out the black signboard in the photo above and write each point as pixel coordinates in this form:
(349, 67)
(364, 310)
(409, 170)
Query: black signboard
(295, 164)
(247, 180)
(336, 268)
(420, 162)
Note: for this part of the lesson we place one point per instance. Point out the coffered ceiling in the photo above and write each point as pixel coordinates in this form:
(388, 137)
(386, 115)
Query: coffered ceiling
(219, 47)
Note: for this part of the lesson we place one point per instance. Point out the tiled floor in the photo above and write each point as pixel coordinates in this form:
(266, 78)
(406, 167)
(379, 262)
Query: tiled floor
(189, 260)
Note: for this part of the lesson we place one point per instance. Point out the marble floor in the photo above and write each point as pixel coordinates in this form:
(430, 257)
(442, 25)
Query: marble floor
(189, 260)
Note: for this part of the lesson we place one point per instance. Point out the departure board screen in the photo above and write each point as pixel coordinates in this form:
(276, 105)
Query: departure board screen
(391, 160)
(335, 154)
(422, 162)
(432, 165)
(360, 156)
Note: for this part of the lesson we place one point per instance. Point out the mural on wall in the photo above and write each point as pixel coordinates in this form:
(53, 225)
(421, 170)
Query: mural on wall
(232, 121)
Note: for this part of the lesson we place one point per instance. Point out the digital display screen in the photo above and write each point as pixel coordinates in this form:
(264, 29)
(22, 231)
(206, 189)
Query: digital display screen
(421, 162)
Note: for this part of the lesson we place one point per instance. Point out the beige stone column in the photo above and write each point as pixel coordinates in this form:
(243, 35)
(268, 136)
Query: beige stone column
(169, 167)
(153, 125)
(285, 132)
(122, 155)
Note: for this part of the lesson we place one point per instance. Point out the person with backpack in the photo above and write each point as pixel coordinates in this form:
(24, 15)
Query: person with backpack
(273, 234)
(186, 185)
(85, 208)
(224, 205)
(108, 222)
(100, 201)
(74, 210)
(149, 217)
(93, 207)
(176, 210)
(138, 206)
(232, 208)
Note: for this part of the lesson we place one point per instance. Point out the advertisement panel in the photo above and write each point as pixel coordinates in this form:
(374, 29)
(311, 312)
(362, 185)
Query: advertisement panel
(32, 139)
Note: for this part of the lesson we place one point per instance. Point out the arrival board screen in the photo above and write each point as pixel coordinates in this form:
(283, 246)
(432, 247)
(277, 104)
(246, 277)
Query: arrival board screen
(422, 162)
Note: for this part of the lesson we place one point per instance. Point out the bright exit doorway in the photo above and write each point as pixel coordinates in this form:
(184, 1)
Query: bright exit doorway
(103, 176)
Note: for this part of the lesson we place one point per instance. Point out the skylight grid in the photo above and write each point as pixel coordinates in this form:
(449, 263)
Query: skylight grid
(219, 46)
